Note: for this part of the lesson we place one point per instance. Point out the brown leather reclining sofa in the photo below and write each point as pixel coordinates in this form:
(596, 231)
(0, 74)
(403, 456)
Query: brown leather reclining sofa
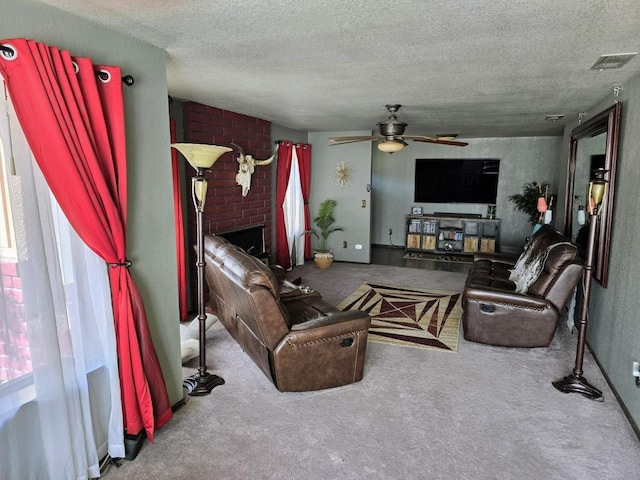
(496, 313)
(299, 341)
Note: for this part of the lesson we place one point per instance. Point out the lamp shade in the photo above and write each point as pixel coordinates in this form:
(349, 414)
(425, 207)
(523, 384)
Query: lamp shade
(598, 189)
(201, 155)
(541, 204)
(390, 146)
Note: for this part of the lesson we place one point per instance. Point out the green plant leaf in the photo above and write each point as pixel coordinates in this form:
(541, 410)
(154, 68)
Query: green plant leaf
(323, 221)
(527, 201)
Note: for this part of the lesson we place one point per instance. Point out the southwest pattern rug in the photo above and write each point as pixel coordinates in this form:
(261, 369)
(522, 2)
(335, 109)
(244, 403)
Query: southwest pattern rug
(408, 316)
(439, 257)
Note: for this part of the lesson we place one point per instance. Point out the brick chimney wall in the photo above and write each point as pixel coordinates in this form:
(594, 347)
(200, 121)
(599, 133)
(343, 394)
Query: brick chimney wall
(15, 354)
(225, 207)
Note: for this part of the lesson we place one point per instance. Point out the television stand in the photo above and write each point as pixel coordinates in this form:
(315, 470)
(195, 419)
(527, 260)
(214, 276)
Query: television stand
(452, 234)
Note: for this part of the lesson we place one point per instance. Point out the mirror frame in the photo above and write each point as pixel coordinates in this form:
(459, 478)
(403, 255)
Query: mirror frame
(606, 121)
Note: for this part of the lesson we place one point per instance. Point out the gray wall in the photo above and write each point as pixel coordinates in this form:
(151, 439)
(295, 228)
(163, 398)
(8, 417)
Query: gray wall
(349, 214)
(614, 326)
(522, 160)
(150, 233)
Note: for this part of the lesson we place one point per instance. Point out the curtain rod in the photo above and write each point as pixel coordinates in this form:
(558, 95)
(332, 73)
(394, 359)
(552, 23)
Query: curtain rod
(280, 142)
(128, 80)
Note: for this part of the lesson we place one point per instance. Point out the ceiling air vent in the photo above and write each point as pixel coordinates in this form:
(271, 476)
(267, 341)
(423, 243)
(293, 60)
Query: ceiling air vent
(615, 60)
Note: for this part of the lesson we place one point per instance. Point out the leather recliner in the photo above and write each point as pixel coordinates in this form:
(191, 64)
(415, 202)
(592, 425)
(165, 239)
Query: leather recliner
(496, 313)
(299, 341)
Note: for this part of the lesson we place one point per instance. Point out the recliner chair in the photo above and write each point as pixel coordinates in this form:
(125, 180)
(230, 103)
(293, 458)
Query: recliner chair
(299, 341)
(517, 304)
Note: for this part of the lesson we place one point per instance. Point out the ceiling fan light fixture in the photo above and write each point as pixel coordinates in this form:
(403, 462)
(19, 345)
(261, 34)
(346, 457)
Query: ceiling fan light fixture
(449, 137)
(390, 146)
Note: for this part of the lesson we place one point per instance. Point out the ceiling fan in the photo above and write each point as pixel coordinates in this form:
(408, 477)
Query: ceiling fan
(392, 135)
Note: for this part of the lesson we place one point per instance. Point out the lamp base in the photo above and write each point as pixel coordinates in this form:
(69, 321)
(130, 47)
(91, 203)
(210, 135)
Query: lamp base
(573, 384)
(199, 385)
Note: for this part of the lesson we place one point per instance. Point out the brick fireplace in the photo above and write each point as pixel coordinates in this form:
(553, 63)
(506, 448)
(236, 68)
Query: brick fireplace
(226, 209)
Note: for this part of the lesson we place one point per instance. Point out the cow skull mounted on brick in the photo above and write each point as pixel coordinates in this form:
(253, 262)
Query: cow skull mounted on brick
(246, 168)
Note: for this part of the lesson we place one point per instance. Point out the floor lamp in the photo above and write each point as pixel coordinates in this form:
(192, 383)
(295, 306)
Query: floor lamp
(576, 383)
(201, 158)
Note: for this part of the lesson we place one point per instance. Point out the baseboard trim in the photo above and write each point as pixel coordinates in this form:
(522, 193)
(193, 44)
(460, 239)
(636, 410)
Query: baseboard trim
(386, 245)
(625, 410)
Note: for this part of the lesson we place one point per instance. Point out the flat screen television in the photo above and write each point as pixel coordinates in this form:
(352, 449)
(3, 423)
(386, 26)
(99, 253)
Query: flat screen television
(456, 180)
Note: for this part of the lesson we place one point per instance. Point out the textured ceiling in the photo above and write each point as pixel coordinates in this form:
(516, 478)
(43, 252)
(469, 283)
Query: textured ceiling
(474, 67)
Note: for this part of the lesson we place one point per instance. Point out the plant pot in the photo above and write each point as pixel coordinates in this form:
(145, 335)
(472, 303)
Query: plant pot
(323, 260)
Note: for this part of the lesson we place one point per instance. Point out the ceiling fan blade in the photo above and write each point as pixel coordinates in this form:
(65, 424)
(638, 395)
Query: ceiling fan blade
(419, 138)
(344, 142)
(352, 139)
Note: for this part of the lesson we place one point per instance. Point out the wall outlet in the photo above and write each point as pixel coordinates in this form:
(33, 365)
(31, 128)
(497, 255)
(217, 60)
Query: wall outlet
(344, 244)
(636, 373)
(358, 246)
(390, 231)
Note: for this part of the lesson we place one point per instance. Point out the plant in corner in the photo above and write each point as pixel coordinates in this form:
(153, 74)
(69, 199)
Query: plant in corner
(527, 201)
(323, 256)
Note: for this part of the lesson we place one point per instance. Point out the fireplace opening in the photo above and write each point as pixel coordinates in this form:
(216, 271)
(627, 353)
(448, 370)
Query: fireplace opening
(250, 239)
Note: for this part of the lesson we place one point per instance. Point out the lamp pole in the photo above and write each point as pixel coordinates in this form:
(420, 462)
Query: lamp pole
(201, 158)
(575, 382)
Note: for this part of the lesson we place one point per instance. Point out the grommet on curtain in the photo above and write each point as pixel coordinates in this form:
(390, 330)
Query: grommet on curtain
(8, 51)
(104, 76)
(125, 264)
(76, 68)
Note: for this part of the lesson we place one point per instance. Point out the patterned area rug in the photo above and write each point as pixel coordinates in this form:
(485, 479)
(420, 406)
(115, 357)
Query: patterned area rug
(444, 257)
(407, 316)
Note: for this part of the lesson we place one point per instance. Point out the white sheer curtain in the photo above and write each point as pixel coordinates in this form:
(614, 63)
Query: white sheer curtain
(58, 421)
(293, 208)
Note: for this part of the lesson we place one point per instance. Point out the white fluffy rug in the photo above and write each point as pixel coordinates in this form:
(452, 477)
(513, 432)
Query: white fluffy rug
(189, 342)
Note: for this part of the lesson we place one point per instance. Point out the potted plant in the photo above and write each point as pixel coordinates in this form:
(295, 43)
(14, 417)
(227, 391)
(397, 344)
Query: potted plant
(527, 201)
(323, 256)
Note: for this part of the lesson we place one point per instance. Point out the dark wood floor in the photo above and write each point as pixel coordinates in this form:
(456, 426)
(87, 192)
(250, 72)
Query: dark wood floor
(388, 255)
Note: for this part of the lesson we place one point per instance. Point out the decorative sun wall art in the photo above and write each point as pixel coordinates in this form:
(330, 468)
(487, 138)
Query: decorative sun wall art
(342, 174)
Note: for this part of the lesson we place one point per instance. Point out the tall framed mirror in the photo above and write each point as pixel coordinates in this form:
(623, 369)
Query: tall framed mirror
(593, 145)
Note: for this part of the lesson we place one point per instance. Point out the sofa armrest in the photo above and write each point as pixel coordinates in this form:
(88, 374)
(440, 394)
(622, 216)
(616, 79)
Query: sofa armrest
(344, 324)
(508, 319)
(290, 292)
(493, 295)
(324, 352)
(350, 319)
(506, 258)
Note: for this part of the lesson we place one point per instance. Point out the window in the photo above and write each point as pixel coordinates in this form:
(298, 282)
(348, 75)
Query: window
(59, 387)
(15, 352)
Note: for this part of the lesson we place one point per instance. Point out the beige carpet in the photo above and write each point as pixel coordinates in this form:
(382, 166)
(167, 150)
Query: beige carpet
(409, 316)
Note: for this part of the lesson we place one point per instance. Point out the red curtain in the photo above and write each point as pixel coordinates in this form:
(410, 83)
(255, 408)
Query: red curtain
(74, 124)
(179, 222)
(283, 255)
(285, 158)
(303, 151)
